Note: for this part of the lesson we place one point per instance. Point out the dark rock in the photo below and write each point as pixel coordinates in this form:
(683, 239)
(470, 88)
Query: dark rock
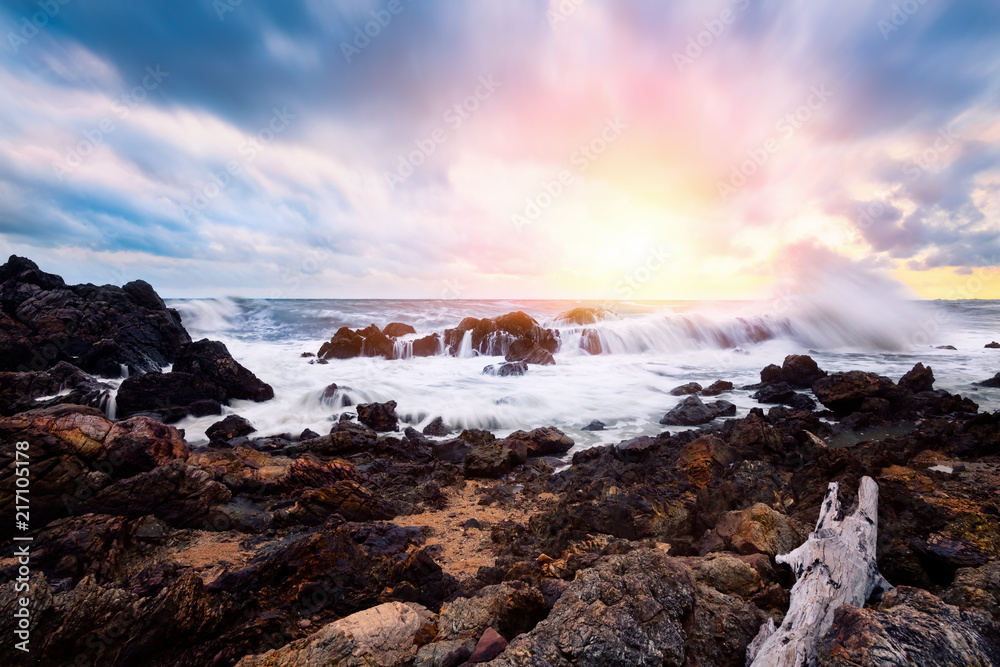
(507, 368)
(99, 329)
(844, 393)
(428, 346)
(685, 389)
(800, 371)
(496, 336)
(689, 412)
(19, 391)
(346, 498)
(547, 441)
(717, 387)
(594, 425)
(801, 402)
(635, 449)
(397, 329)
(780, 392)
(451, 451)
(771, 374)
(345, 344)
(233, 426)
(917, 379)
(945, 347)
(486, 457)
(210, 360)
(159, 393)
(993, 346)
(379, 416)
(436, 427)
(722, 408)
(992, 382)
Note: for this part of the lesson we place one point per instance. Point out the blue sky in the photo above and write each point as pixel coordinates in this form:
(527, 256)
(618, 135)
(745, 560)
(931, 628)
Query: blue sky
(500, 149)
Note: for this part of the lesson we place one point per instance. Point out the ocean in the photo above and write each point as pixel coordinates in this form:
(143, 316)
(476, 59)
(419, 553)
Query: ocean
(650, 348)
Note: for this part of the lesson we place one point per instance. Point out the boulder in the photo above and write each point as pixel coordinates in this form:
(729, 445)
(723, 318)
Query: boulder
(779, 392)
(386, 635)
(397, 329)
(692, 412)
(345, 344)
(529, 352)
(801, 371)
(99, 329)
(61, 384)
(233, 426)
(495, 336)
(487, 457)
(428, 346)
(757, 529)
(169, 396)
(685, 389)
(547, 441)
(717, 387)
(506, 369)
(992, 382)
(917, 379)
(585, 315)
(379, 416)
(489, 646)
(436, 427)
(346, 498)
(845, 393)
(210, 361)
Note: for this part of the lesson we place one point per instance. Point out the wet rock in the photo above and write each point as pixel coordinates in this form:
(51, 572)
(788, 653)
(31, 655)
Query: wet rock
(99, 329)
(506, 369)
(389, 634)
(167, 395)
(801, 371)
(397, 329)
(547, 441)
(717, 387)
(379, 416)
(945, 347)
(233, 426)
(529, 352)
(910, 627)
(141, 444)
(635, 449)
(917, 379)
(489, 459)
(994, 345)
(594, 425)
(345, 344)
(211, 361)
(585, 315)
(496, 336)
(428, 346)
(692, 412)
(61, 384)
(436, 428)
(992, 382)
(780, 392)
(346, 498)
(845, 393)
(685, 389)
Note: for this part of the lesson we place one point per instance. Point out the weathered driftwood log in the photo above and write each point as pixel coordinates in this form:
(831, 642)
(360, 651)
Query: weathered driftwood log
(835, 566)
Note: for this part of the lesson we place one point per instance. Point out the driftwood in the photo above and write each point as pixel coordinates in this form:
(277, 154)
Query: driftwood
(835, 566)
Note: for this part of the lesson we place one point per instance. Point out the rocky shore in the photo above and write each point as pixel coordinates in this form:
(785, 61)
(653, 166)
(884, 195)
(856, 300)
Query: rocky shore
(377, 544)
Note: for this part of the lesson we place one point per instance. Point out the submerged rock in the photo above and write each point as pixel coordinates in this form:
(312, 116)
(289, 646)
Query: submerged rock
(506, 369)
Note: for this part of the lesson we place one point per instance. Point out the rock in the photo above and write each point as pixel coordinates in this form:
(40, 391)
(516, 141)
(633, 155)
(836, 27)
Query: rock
(451, 653)
(780, 392)
(945, 347)
(98, 329)
(717, 387)
(917, 379)
(379, 416)
(635, 449)
(488, 459)
(250, 472)
(233, 426)
(594, 425)
(547, 441)
(910, 627)
(140, 444)
(585, 315)
(436, 427)
(61, 384)
(727, 574)
(345, 344)
(507, 368)
(389, 634)
(801, 371)
(692, 412)
(685, 389)
(758, 529)
(771, 374)
(993, 346)
(722, 408)
(428, 346)
(167, 395)
(397, 329)
(992, 382)
(844, 393)
(346, 498)
(496, 336)
(211, 361)
(490, 645)
(529, 352)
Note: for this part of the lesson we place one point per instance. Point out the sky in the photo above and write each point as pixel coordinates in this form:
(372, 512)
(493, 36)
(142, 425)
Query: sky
(585, 149)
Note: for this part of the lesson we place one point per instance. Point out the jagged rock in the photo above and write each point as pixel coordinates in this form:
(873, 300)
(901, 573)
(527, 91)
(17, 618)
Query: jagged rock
(910, 627)
(529, 352)
(801, 371)
(845, 393)
(233, 426)
(492, 337)
(379, 416)
(512, 608)
(977, 587)
(685, 389)
(489, 459)
(167, 395)
(345, 344)
(692, 412)
(993, 345)
(428, 346)
(992, 382)
(386, 635)
(758, 529)
(61, 384)
(917, 379)
(507, 368)
(717, 387)
(489, 646)
(211, 361)
(346, 498)
(779, 392)
(436, 428)
(397, 329)
(99, 329)
(594, 425)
